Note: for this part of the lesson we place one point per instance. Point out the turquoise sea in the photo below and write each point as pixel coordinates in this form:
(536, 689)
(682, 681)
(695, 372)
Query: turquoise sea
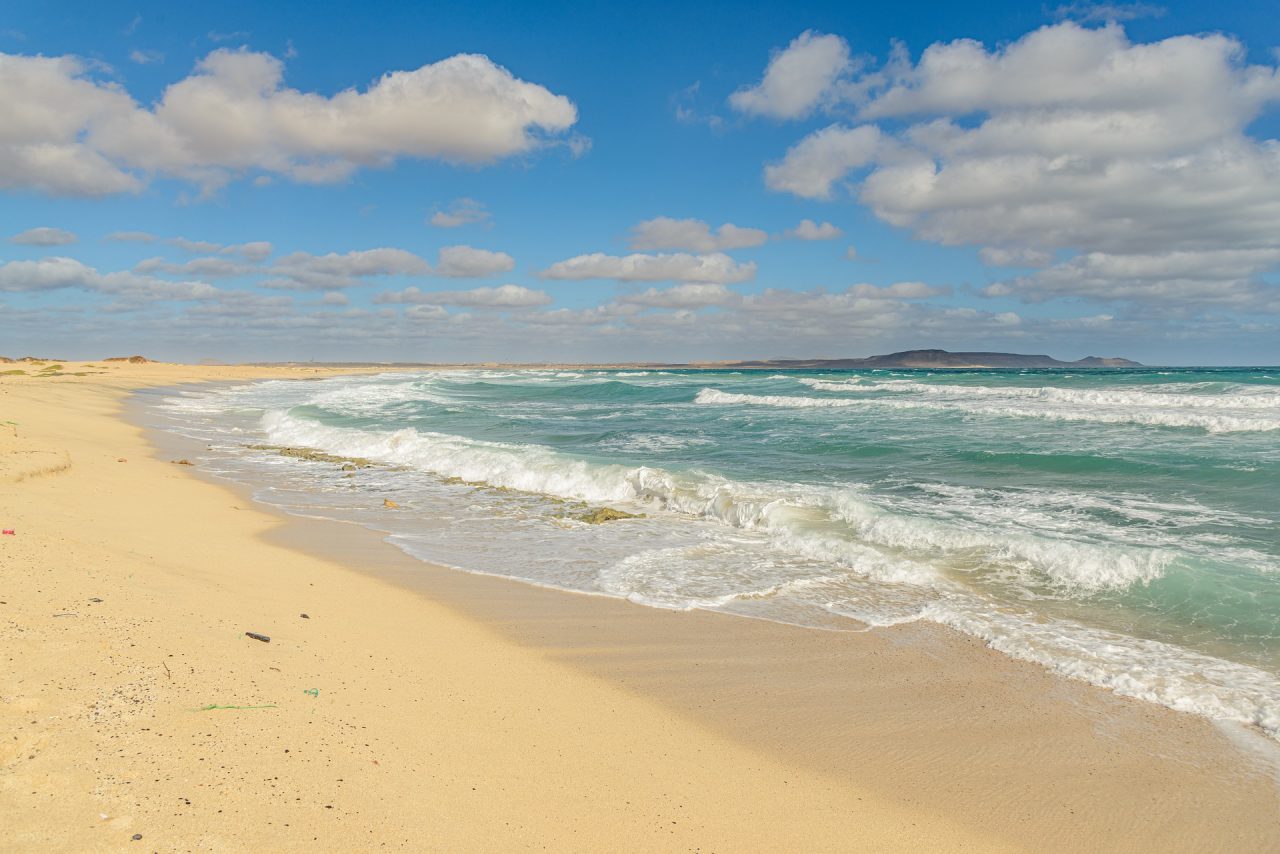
(1117, 526)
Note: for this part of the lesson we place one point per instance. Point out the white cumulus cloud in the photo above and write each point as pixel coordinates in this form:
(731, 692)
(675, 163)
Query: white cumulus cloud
(461, 212)
(1224, 278)
(467, 262)
(995, 256)
(145, 57)
(810, 230)
(67, 132)
(693, 235)
(55, 273)
(45, 275)
(812, 166)
(1105, 12)
(254, 251)
(504, 296)
(898, 291)
(797, 79)
(132, 237)
(44, 236)
(680, 266)
(210, 267)
(682, 296)
(304, 271)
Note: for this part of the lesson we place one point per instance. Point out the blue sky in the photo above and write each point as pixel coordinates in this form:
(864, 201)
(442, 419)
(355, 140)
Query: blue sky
(1074, 180)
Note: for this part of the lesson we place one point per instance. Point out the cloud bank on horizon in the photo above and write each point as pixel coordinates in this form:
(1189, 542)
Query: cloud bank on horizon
(1073, 188)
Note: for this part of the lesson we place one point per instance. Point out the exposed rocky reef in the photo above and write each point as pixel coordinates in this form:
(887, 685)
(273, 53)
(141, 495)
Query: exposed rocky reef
(312, 455)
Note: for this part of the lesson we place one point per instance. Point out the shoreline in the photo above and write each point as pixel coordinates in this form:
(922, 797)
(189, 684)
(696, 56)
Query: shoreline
(898, 738)
(1128, 653)
(693, 663)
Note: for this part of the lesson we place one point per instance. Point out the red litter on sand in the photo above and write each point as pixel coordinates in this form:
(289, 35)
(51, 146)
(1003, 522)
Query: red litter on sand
(10, 532)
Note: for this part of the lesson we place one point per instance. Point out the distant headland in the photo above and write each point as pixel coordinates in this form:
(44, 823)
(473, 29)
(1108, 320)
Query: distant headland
(942, 359)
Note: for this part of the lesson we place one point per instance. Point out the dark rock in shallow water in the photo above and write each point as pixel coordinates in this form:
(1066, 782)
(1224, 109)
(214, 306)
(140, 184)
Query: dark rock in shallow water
(314, 456)
(607, 514)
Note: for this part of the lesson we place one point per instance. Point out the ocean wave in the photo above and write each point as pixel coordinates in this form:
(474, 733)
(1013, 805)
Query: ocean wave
(652, 442)
(822, 523)
(378, 398)
(1143, 669)
(778, 510)
(708, 575)
(1151, 533)
(975, 543)
(1217, 423)
(1261, 399)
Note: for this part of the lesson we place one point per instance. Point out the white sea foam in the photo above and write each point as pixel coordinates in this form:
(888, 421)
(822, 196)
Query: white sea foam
(866, 538)
(1212, 423)
(528, 468)
(1057, 559)
(706, 575)
(653, 442)
(1267, 400)
(1133, 667)
(785, 512)
(376, 399)
(1156, 531)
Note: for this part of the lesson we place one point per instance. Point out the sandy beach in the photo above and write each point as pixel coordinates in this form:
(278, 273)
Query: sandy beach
(419, 708)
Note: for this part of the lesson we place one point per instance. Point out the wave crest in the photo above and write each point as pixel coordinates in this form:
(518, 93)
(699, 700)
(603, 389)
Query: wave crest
(1211, 423)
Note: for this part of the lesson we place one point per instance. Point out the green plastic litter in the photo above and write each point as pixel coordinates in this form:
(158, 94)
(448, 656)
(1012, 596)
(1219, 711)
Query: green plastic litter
(216, 706)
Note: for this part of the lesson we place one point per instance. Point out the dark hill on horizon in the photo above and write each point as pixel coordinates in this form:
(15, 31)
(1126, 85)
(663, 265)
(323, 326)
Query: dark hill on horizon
(942, 359)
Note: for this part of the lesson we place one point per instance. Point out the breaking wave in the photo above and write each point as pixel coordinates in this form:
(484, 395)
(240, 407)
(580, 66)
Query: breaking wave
(1098, 414)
